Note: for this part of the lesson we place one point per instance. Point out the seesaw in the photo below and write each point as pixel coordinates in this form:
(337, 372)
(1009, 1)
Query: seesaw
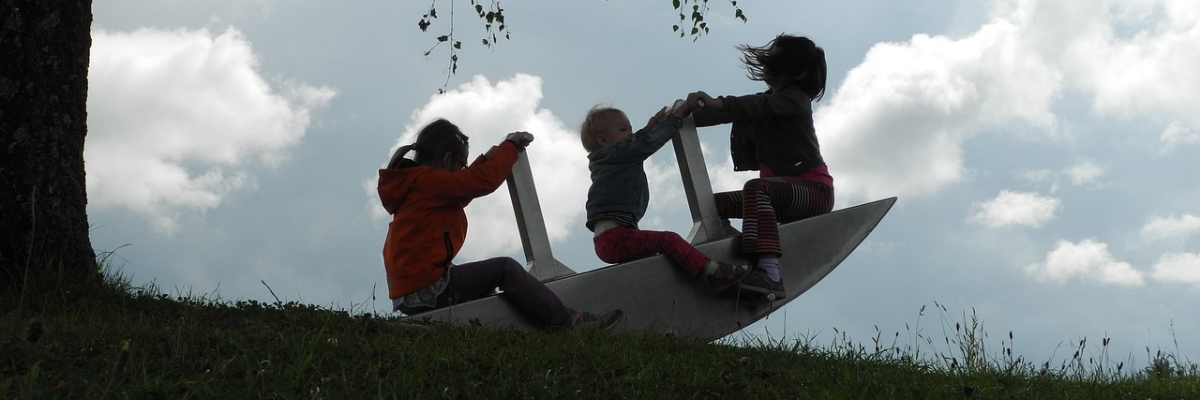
(656, 295)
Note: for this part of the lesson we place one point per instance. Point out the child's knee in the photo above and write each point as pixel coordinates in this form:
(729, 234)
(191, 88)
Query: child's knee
(510, 265)
(753, 185)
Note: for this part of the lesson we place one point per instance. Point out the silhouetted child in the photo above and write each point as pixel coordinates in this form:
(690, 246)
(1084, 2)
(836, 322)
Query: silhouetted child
(772, 132)
(427, 196)
(619, 194)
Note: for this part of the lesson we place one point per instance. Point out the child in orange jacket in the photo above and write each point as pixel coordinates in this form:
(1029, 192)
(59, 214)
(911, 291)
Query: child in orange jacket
(427, 197)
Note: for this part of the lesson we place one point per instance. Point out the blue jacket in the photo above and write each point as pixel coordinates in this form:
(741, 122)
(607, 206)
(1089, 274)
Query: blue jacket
(618, 179)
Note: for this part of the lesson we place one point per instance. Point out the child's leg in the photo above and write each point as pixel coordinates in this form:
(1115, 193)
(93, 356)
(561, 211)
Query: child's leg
(623, 244)
(729, 204)
(481, 278)
(768, 201)
(807, 200)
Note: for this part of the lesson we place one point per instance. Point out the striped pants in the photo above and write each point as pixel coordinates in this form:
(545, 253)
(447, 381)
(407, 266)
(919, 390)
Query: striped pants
(763, 203)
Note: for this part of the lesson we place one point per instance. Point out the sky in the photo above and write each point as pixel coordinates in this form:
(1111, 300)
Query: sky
(1042, 152)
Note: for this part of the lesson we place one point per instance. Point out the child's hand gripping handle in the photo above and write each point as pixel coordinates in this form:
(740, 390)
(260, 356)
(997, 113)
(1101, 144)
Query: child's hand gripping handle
(520, 138)
(680, 108)
(677, 105)
(701, 100)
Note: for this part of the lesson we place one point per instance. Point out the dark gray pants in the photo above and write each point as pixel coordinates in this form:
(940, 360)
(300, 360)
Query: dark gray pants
(478, 279)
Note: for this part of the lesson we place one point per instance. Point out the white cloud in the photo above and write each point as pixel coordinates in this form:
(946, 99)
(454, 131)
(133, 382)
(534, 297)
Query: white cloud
(177, 118)
(1084, 172)
(487, 113)
(1178, 134)
(1134, 57)
(1178, 268)
(666, 192)
(1041, 176)
(941, 91)
(1088, 260)
(1163, 228)
(1015, 208)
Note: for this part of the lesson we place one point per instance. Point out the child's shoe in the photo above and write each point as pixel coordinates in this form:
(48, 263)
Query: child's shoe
(758, 282)
(586, 321)
(726, 275)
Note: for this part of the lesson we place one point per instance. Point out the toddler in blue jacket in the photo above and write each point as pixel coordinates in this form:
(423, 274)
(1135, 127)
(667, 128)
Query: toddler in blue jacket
(620, 193)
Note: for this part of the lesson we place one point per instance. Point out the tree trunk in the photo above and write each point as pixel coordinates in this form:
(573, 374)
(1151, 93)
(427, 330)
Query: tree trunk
(44, 51)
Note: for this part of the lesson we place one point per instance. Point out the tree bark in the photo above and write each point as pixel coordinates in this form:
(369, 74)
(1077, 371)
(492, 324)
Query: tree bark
(44, 52)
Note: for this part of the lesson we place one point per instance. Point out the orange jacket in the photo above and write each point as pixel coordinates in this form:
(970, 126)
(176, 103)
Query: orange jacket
(428, 221)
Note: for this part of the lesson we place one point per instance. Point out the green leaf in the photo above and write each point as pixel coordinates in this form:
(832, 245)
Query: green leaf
(675, 3)
(443, 38)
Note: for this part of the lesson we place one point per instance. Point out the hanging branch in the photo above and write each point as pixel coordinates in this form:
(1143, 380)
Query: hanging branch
(699, 10)
(495, 28)
(493, 23)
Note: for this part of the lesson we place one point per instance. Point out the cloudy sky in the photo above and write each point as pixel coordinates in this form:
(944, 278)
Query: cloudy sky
(1043, 152)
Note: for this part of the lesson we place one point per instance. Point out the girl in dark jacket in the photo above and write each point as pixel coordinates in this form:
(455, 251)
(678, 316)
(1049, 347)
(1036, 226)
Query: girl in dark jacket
(773, 133)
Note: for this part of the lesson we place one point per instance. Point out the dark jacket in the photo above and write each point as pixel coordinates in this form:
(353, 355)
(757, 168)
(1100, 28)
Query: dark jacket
(772, 128)
(618, 179)
(429, 224)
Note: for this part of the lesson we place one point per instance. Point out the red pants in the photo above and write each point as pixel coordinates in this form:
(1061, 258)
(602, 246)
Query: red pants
(621, 244)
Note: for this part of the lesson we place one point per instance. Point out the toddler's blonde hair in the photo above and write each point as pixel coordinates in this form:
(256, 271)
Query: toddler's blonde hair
(589, 129)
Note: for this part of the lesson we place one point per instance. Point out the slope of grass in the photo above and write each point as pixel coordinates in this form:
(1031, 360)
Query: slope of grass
(122, 342)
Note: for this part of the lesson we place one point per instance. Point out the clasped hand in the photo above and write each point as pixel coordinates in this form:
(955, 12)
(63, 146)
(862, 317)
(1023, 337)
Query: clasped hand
(520, 138)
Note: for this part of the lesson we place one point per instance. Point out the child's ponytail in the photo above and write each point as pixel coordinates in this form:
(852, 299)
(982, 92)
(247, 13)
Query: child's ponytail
(398, 156)
(436, 138)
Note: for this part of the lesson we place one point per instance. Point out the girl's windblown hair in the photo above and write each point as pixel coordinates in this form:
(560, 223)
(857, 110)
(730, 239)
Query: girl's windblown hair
(788, 59)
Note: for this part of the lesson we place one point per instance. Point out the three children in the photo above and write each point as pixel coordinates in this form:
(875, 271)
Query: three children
(771, 132)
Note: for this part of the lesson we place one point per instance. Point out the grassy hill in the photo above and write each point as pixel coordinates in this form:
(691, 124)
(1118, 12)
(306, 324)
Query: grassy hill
(122, 342)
